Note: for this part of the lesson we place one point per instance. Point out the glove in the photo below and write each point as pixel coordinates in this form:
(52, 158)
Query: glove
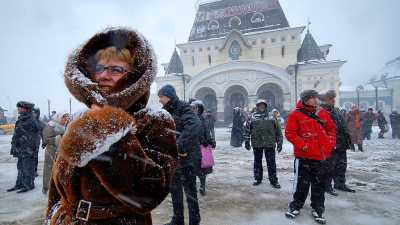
(213, 145)
(279, 147)
(247, 145)
(13, 151)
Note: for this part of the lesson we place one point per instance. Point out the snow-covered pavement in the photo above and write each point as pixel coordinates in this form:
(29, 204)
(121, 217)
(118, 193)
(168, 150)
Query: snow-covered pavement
(232, 200)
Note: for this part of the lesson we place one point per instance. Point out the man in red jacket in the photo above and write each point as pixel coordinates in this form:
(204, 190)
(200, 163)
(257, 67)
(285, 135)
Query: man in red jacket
(313, 134)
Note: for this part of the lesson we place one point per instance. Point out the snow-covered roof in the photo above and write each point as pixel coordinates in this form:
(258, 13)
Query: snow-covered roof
(216, 18)
(390, 71)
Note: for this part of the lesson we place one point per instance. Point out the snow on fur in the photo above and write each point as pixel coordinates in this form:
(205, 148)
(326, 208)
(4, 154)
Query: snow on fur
(93, 132)
(104, 145)
(157, 112)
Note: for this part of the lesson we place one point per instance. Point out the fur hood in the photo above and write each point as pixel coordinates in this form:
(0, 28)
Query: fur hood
(132, 93)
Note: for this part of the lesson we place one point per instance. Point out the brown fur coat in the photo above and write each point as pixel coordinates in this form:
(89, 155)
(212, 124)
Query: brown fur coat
(114, 164)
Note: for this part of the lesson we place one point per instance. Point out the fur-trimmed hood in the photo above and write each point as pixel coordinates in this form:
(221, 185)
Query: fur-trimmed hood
(133, 91)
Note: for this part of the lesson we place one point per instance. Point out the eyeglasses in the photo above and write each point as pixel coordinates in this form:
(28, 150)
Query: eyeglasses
(115, 70)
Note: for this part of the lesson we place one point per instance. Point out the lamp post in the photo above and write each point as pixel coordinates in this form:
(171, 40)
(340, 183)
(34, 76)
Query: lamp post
(185, 78)
(358, 90)
(376, 98)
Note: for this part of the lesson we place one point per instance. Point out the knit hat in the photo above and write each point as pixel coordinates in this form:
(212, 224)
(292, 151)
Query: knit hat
(307, 94)
(262, 101)
(199, 105)
(331, 94)
(167, 91)
(27, 105)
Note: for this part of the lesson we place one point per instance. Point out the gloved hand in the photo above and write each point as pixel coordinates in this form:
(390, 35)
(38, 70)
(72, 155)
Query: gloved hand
(213, 145)
(247, 145)
(279, 147)
(13, 151)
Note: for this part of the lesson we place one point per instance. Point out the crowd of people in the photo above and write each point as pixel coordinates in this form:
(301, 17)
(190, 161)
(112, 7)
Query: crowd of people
(119, 160)
(321, 135)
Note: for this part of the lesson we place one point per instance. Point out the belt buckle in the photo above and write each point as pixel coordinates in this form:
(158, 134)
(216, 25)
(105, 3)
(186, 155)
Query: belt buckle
(83, 210)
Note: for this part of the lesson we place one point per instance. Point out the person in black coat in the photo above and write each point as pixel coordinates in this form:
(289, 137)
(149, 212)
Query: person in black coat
(237, 128)
(188, 126)
(337, 162)
(206, 139)
(23, 147)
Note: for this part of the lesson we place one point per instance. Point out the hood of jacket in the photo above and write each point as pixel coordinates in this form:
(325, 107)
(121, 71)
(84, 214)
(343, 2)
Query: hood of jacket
(131, 92)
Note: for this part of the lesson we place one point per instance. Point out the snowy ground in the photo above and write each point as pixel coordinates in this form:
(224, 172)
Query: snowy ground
(232, 200)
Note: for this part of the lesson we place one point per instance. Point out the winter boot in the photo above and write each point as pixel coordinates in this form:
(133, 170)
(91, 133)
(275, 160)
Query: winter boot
(14, 188)
(292, 213)
(276, 185)
(258, 182)
(23, 190)
(345, 188)
(318, 217)
(360, 147)
(352, 147)
(174, 222)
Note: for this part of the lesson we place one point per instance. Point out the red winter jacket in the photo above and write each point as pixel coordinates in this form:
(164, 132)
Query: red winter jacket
(301, 130)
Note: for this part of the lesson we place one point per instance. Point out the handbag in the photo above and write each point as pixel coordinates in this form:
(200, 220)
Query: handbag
(207, 158)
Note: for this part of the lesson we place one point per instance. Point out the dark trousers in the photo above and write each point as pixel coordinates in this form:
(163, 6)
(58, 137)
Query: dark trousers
(395, 132)
(367, 131)
(330, 165)
(340, 168)
(36, 162)
(202, 179)
(336, 168)
(271, 164)
(26, 172)
(309, 173)
(185, 180)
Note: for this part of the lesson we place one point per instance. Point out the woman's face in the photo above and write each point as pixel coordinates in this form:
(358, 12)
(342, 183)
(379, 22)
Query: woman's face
(108, 73)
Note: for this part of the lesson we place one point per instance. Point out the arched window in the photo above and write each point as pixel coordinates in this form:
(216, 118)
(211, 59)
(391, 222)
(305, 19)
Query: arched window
(257, 18)
(213, 26)
(234, 22)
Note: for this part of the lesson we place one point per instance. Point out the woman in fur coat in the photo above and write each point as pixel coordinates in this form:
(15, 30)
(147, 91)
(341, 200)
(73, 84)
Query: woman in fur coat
(116, 160)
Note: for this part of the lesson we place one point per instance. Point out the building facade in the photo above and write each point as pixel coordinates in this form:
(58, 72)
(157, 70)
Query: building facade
(381, 92)
(240, 51)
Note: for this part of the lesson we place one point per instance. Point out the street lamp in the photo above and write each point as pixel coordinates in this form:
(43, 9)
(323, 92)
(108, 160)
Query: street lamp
(185, 78)
(358, 90)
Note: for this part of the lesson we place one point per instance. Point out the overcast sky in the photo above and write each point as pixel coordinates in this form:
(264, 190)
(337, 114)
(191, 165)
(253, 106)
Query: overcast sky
(37, 36)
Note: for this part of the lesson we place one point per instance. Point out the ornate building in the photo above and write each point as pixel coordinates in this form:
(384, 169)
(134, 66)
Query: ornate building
(240, 51)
